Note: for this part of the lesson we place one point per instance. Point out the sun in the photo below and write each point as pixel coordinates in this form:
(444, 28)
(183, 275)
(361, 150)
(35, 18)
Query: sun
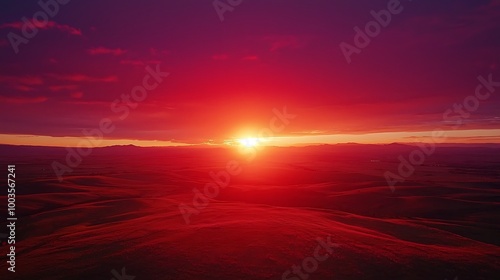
(249, 142)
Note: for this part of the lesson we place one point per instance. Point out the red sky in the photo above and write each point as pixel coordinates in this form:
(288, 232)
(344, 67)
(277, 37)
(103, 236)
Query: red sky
(226, 77)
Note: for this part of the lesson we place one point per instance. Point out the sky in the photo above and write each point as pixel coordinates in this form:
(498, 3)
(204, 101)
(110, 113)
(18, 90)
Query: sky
(218, 71)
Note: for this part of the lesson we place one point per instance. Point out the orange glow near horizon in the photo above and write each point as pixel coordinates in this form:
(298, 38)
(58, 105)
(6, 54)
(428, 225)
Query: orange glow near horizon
(454, 136)
(51, 141)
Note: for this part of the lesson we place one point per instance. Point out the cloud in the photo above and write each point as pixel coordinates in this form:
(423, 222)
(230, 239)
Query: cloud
(23, 80)
(31, 83)
(49, 25)
(63, 87)
(83, 78)
(77, 95)
(22, 88)
(22, 83)
(103, 50)
(22, 100)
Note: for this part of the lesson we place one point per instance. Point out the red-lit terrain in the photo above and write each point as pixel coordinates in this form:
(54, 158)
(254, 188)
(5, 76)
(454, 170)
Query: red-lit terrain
(120, 208)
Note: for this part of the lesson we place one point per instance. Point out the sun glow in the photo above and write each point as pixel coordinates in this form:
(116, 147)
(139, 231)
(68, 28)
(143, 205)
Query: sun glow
(249, 142)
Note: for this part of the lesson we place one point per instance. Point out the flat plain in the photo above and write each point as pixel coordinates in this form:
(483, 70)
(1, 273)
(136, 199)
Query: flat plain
(120, 209)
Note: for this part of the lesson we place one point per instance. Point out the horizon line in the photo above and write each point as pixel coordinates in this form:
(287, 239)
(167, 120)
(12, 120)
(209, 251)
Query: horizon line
(473, 136)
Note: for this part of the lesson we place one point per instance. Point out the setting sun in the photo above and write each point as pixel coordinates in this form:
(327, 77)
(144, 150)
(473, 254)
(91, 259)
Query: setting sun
(249, 142)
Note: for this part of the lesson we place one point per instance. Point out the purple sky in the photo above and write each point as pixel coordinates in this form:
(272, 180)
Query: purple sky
(227, 76)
